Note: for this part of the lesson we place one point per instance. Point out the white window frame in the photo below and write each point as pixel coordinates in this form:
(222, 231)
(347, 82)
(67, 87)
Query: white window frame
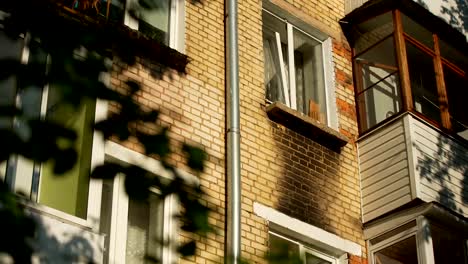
(327, 57)
(317, 238)
(303, 249)
(421, 230)
(176, 23)
(119, 214)
(119, 224)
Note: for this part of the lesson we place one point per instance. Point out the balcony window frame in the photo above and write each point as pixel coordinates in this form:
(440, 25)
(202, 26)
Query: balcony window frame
(400, 39)
(416, 221)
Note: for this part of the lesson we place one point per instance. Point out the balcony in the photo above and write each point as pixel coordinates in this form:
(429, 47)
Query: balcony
(408, 159)
(411, 78)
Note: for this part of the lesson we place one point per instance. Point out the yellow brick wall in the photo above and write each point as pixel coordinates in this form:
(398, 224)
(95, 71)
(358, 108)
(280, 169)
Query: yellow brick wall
(279, 167)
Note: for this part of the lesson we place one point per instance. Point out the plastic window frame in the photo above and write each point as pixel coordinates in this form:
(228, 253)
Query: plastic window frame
(97, 157)
(327, 64)
(303, 249)
(176, 23)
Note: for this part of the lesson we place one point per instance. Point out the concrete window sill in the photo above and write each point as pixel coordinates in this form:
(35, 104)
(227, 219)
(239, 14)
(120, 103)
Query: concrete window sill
(306, 126)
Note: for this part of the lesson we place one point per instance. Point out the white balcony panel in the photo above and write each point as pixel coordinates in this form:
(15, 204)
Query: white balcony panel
(407, 160)
(441, 168)
(383, 162)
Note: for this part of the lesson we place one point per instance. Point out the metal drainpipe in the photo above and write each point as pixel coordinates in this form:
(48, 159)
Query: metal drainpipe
(233, 214)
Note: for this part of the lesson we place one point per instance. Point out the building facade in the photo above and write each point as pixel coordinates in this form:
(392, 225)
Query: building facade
(410, 67)
(325, 174)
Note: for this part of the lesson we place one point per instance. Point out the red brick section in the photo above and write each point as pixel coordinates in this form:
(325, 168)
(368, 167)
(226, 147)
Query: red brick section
(346, 108)
(356, 260)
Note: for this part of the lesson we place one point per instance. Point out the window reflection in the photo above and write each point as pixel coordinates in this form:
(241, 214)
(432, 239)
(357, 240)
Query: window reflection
(380, 97)
(423, 82)
(402, 252)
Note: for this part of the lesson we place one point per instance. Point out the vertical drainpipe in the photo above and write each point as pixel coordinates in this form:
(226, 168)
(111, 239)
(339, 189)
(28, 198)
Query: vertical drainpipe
(233, 188)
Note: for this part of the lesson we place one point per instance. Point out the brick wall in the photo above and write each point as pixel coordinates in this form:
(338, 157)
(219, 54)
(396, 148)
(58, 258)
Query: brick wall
(279, 167)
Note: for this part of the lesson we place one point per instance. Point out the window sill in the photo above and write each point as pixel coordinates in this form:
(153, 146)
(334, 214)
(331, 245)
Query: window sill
(306, 126)
(58, 215)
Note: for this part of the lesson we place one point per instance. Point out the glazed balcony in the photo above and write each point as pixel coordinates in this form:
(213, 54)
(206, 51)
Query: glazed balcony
(411, 83)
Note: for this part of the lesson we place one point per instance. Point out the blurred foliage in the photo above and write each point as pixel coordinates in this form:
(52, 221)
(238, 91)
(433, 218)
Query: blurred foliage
(80, 48)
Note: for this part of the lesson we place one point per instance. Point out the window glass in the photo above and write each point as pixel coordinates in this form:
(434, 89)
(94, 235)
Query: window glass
(379, 95)
(76, 181)
(404, 251)
(283, 250)
(417, 31)
(112, 9)
(312, 259)
(276, 58)
(457, 92)
(454, 55)
(370, 32)
(105, 218)
(9, 49)
(155, 22)
(423, 82)
(449, 246)
(144, 230)
(310, 85)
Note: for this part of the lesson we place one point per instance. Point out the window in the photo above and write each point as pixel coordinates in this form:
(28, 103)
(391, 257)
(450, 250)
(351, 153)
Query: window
(422, 73)
(160, 23)
(297, 68)
(37, 181)
(420, 240)
(285, 250)
(135, 229)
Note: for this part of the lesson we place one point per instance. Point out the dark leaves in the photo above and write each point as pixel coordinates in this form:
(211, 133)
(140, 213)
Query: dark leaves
(196, 157)
(65, 161)
(188, 249)
(138, 183)
(156, 144)
(106, 171)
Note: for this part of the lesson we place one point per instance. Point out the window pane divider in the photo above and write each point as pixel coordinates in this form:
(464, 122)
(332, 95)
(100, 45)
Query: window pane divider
(374, 84)
(419, 45)
(283, 71)
(292, 70)
(402, 61)
(453, 67)
(441, 89)
(378, 65)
